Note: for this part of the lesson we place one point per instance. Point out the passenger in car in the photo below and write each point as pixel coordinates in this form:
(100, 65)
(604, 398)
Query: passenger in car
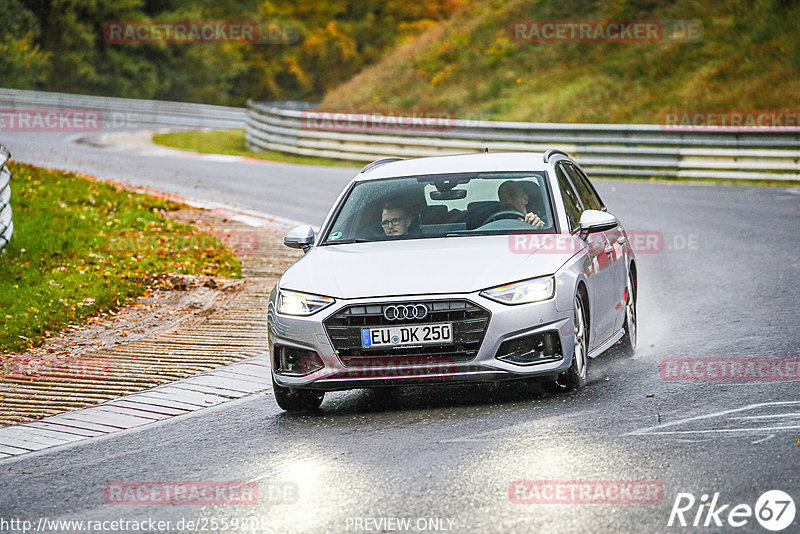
(514, 198)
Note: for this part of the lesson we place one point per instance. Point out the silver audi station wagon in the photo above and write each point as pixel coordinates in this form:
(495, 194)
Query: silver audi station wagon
(452, 269)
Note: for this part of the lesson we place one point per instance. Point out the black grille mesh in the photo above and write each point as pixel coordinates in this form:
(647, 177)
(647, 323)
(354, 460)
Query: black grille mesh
(469, 326)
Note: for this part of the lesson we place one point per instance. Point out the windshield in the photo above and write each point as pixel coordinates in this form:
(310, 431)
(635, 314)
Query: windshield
(444, 205)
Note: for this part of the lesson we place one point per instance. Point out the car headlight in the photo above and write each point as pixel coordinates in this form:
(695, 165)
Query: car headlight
(295, 303)
(524, 292)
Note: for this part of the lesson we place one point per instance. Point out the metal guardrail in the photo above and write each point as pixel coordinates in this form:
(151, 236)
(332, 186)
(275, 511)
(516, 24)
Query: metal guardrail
(119, 112)
(623, 150)
(6, 222)
(116, 112)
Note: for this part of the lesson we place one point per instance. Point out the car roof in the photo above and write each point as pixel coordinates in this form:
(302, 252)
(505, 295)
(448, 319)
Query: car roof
(480, 162)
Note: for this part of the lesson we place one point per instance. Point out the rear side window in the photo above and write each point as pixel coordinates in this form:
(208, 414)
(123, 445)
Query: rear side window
(587, 194)
(572, 205)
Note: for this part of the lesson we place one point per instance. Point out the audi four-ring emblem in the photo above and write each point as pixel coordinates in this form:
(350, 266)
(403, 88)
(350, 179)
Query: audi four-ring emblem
(405, 311)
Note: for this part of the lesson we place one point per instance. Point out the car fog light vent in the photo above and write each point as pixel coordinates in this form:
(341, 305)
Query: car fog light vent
(296, 362)
(532, 349)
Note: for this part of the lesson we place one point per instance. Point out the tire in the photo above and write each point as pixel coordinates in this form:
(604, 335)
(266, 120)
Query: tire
(575, 376)
(297, 400)
(631, 325)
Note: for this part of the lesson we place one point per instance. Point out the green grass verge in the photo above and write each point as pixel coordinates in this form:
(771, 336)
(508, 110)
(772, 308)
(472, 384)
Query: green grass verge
(81, 247)
(232, 143)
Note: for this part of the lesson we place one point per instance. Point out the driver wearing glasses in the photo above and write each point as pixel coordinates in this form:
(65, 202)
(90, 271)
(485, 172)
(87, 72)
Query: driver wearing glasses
(396, 218)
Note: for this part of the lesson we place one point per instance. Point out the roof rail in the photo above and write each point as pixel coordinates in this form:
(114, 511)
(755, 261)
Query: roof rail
(553, 152)
(378, 163)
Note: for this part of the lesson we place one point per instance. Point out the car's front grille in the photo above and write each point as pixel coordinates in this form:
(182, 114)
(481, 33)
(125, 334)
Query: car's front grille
(469, 325)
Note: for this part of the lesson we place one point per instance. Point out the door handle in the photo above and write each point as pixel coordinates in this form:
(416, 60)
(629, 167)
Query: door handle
(609, 251)
(622, 240)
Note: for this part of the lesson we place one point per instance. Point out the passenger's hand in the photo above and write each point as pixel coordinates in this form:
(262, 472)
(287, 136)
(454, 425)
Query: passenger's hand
(532, 218)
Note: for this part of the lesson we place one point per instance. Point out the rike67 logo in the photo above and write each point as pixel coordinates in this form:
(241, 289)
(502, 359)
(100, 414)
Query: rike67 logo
(774, 510)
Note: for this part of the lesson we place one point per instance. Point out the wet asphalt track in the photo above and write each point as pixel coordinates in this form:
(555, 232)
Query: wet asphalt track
(724, 285)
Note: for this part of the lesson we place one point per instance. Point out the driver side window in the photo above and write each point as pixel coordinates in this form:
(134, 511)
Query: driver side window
(589, 197)
(572, 205)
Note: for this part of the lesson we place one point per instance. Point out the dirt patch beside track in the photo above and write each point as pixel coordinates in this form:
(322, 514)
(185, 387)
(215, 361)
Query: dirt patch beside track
(184, 326)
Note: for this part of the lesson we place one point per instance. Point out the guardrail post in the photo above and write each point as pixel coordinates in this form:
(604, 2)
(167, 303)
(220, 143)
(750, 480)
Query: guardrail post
(6, 222)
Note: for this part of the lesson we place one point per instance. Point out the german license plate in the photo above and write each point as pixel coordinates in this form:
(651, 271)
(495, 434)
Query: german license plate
(398, 336)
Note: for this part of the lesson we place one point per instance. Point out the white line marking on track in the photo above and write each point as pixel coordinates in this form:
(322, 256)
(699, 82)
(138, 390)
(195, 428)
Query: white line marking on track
(771, 416)
(656, 429)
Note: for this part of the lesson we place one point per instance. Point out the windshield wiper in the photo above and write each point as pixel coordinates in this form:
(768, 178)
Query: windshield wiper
(459, 234)
(468, 233)
(346, 241)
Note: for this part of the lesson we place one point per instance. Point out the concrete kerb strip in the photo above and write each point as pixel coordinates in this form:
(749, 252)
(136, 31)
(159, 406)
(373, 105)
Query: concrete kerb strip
(159, 404)
(146, 407)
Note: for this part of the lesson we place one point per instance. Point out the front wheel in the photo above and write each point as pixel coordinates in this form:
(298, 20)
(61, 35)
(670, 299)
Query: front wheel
(575, 376)
(629, 338)
(297, 400)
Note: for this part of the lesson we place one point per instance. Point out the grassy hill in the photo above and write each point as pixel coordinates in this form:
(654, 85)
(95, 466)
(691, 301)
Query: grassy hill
(749, 58)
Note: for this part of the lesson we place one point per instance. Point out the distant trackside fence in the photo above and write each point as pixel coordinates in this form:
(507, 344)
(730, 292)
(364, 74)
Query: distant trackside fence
(125, 112)
(113, 113)
(623, 150)
(6, 224)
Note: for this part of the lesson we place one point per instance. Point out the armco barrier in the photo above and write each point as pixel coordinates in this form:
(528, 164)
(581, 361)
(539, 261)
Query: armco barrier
(635, 150)
(6, 223)
(128, 111)
(116, 112)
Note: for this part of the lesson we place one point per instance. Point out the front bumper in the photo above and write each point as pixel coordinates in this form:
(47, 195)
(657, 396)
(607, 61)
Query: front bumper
(506, 323)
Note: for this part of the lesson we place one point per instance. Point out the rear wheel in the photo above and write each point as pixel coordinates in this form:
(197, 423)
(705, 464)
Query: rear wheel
(629, 338)
(297, 400)
(575, 376)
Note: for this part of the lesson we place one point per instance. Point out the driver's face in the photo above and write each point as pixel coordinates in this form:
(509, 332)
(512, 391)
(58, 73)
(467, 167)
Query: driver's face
(517, 202)
(395, 222)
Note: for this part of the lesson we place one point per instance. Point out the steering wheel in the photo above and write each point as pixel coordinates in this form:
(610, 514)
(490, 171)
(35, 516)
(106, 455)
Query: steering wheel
(505, 214)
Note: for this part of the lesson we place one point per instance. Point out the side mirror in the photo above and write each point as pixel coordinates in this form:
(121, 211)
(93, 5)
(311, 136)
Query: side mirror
(301, 237)
(596, 221)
